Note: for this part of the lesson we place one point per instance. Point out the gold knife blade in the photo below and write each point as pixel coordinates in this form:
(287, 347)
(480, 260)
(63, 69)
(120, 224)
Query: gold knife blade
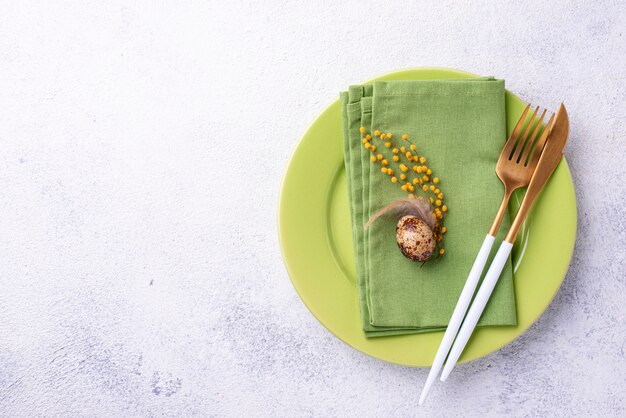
(549, 160)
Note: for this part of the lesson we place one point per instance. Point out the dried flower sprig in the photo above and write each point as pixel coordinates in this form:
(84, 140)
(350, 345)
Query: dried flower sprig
(412, 178)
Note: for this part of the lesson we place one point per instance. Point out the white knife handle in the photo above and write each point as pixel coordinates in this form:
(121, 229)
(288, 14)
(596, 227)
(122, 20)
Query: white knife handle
(459, 313)
(478, 306)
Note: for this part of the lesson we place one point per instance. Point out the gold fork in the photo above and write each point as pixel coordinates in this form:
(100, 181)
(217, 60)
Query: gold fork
(515, 168)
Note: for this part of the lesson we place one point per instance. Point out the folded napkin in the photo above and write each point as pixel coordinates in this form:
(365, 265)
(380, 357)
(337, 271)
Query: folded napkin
(459, 125)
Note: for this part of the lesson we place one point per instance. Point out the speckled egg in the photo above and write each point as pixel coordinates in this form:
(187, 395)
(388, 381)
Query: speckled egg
(415, 238)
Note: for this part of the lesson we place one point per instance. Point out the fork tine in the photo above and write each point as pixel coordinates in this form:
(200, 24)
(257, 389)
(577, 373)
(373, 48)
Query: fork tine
(520, 144)
(533, 137)
(510, 143)
(541, 143)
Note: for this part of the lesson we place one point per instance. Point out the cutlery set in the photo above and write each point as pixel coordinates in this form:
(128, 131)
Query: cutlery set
(529, 157)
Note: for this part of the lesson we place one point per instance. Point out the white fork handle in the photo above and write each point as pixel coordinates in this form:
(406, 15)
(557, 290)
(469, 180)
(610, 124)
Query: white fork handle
(478, 306)
(459, 313)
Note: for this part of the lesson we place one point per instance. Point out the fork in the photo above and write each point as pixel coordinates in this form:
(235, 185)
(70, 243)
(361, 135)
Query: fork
(515, 167)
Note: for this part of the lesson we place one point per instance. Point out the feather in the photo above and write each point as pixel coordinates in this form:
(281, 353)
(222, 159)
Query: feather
(419, 207)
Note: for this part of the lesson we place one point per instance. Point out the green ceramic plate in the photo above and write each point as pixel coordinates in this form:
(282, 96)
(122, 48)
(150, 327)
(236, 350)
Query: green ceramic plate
(316, 242)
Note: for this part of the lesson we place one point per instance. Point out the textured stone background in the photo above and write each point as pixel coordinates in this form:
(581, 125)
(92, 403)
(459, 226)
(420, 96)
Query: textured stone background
(142, 148)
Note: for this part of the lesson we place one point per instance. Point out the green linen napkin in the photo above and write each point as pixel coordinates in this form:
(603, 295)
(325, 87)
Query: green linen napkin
(459, 125)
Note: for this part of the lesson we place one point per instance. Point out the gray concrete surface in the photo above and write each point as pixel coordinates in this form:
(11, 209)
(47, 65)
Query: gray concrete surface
(142, 149)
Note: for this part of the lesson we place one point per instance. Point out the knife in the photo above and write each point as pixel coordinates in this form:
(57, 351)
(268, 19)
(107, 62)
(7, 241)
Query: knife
(549, 160)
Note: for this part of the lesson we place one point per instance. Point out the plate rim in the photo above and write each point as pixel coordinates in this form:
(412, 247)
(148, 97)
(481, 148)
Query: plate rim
(290, 273)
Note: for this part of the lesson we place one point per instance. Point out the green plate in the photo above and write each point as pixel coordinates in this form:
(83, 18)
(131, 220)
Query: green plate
(316, 242)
